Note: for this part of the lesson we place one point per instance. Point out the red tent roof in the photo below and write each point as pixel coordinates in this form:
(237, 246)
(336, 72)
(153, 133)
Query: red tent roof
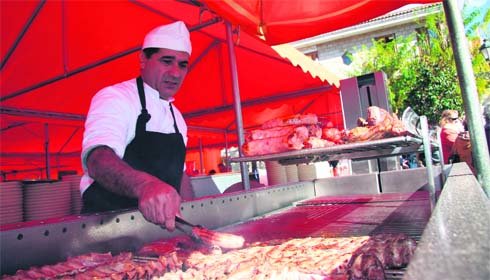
(279, 22)
(55, 55)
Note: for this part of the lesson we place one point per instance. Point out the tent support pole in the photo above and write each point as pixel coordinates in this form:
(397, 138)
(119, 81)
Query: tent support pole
(466, 77)
(201, 154)
(22, 33)
(238, 106)
(227, 156)
(46, 148)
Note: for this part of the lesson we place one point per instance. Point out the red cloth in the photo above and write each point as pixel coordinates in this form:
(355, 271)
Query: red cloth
(449, 133)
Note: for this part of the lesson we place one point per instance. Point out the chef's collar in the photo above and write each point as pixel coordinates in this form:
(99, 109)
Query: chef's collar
(155, 94)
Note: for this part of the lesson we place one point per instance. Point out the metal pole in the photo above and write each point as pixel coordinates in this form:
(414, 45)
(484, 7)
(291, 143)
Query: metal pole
(441, 156)
(201, 159)
(46, 149)
(428, 160)
(481, 157)
(237, 103)
(227, 156)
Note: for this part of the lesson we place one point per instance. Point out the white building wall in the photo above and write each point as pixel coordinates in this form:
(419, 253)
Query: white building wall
(330, 51)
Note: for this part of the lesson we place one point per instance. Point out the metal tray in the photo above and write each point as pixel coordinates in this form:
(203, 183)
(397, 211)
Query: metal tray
(362, 150)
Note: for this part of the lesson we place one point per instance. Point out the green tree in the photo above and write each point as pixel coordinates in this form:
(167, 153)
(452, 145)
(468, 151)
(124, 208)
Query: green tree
(420, 67)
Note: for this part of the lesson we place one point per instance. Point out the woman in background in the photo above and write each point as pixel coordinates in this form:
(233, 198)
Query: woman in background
(451, 127)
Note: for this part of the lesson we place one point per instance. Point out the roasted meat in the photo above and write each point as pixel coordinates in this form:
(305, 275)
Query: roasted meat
(290, 138)
(291, 120)
(333, 135)
(380, 124)
(365, 266)
(393, 250)
(343, 258)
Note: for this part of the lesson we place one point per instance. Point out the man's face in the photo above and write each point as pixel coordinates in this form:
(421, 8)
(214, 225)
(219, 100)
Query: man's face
(165, 71)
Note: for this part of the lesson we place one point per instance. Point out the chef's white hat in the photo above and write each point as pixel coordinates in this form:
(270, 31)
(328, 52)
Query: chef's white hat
(173, 36)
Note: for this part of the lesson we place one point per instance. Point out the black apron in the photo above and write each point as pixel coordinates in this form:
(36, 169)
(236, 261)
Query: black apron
(159, 154)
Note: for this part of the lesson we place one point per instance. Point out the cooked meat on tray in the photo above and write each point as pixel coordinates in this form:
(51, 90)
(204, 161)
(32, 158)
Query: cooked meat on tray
(306, 131)
(361, 257)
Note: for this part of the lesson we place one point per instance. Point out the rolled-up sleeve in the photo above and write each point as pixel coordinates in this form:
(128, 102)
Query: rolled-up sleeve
(108, 123)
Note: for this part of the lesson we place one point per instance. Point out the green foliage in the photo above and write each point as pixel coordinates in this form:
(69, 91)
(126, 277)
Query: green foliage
(420, 68)
(436, 89)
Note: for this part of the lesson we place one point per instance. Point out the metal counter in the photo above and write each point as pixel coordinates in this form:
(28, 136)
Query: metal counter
(454, 238)
(456, 242)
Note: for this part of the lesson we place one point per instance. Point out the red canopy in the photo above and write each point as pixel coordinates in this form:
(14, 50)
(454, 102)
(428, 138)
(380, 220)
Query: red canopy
(55, 55)
(279, 22)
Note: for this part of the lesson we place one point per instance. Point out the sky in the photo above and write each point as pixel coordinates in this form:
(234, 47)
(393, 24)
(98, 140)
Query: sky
(477, 3)
(483, 6)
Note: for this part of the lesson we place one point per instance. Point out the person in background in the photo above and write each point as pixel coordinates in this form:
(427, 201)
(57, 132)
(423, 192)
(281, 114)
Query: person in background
(222, 168)
(451, 126)
(134, 142)
(461, 151)
(409, 161)
(486, 116)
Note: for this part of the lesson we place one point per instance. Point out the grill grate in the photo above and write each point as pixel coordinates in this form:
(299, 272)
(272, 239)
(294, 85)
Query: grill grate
(345, 216)
(341, 217)
(394, 274)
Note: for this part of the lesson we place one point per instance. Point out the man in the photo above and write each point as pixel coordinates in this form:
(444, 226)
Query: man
(134, 141)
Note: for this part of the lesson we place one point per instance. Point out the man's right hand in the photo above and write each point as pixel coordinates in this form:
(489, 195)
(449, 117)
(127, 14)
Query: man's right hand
(159, 203)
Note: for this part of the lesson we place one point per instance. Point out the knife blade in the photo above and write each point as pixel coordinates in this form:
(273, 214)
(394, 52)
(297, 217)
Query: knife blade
(187, 228)
(201, 234)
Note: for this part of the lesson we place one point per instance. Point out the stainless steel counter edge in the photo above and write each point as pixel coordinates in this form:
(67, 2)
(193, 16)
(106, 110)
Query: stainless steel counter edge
(47, 242)
(455, 244)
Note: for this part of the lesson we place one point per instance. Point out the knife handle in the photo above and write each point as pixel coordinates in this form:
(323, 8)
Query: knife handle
(182, 221)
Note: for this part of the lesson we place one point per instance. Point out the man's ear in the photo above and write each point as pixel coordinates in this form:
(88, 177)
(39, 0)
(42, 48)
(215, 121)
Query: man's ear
(143, 60)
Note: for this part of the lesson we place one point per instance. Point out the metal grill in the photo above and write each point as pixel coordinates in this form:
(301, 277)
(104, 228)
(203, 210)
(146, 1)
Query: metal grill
(353, 215)
(394, 274)
(344, 216)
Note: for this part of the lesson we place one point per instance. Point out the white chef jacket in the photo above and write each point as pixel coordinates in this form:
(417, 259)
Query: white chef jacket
(111, 120)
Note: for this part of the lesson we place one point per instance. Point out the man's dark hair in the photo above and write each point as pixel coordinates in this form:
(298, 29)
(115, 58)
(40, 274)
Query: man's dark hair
(150, 51)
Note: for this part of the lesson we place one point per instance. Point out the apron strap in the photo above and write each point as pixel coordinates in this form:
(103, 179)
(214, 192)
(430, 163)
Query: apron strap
(144, 117)
(173, 116)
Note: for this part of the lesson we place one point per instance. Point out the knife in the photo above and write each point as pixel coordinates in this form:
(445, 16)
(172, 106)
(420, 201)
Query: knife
(201, 234)
(188, 228)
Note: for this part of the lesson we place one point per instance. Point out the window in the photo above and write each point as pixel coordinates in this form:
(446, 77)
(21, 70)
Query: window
(385, 38)
(312, 54)
(387, 41)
